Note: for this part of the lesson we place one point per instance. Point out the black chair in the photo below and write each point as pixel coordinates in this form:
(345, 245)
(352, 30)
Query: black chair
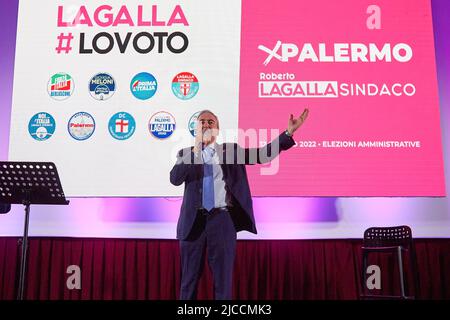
(393, 240)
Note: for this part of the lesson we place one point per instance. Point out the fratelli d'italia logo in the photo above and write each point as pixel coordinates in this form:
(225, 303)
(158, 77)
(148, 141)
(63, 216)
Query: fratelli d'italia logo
(41, 126)
(81, 126)
(122, 125)
(192, 124)
(185, 85)
(143, 86)
(60, 86)
(161, 125)
(102, 86)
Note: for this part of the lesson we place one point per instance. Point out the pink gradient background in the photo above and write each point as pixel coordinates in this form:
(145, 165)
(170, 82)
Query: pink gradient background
(338, 171)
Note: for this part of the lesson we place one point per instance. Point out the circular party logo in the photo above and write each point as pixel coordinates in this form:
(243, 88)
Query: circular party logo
(192, 124)
(60, 86)
(161, 125)
(102, 86)
(185, 85)
(143, 86)
(122, 125)
(41, 126)
(81, 126)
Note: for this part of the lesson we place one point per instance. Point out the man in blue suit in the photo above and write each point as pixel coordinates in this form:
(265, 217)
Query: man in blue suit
(217, 202)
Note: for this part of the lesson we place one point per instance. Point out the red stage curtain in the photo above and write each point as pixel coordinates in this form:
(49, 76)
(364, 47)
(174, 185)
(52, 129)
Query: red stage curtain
(264, 269)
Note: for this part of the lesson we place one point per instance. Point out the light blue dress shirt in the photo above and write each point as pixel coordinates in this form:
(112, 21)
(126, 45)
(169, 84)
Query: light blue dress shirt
(210, 156)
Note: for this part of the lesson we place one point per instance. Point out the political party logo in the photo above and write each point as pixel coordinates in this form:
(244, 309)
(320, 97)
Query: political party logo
(60, 86)
(143, 86)
(185, 85)
(41, 126)
(192, 124)
(161, 125)
(122, 125)
(81, 126)
(102, 86)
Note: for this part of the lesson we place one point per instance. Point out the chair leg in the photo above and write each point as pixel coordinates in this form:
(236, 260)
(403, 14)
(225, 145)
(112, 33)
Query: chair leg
(363, 274)
(415, 271)
(400, 269)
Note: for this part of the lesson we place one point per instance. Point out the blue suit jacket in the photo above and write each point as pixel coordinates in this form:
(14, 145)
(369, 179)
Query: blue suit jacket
(189, 170)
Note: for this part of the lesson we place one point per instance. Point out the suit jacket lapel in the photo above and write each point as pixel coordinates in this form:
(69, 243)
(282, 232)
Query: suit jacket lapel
(220, 152)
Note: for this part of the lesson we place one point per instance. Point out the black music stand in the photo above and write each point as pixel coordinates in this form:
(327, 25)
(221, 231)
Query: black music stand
(4, 208)
(29, 183)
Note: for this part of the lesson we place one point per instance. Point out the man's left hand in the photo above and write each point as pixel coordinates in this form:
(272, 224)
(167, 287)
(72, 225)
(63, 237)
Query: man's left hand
(295, 123)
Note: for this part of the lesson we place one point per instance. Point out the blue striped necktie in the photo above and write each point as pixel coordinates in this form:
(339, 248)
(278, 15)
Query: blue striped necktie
(208, 183)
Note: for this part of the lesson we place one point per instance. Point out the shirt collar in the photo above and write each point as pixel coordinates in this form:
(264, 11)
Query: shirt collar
(211, 146)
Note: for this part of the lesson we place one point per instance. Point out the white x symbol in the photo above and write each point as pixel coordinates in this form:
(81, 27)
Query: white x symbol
(272, 53)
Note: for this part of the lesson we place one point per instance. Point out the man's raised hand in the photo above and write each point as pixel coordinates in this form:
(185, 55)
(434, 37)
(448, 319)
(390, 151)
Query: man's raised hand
(295, 123)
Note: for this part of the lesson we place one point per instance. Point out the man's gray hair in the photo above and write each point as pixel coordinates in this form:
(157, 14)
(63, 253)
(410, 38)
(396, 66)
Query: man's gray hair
(209, 111)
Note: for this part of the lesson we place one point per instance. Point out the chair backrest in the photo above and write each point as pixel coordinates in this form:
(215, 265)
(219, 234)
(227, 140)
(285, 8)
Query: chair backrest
(388, 236)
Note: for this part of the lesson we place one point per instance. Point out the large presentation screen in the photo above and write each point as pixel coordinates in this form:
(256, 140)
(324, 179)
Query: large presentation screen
(110, 91)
